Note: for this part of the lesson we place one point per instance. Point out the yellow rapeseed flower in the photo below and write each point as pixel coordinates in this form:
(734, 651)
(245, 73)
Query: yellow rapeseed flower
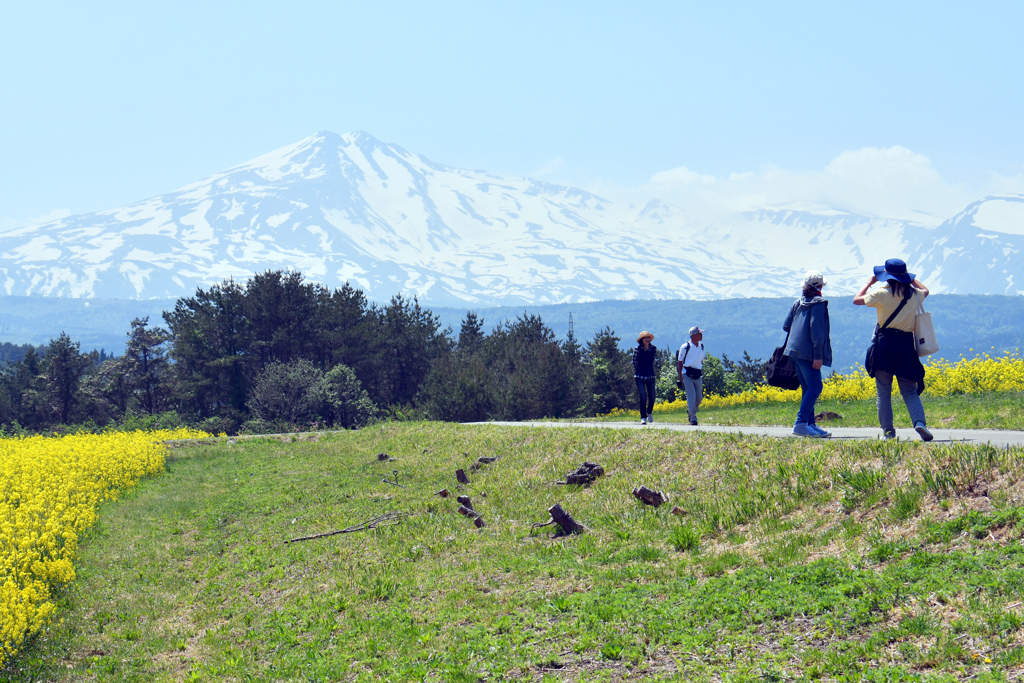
(50, 488)
(979, 375)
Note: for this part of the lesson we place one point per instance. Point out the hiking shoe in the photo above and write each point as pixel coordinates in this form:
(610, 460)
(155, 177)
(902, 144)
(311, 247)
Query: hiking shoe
(923, 431)
(650, 419)
(889, 436)
(804, 429)
(693, 423)
(821, 432)
(643, 420)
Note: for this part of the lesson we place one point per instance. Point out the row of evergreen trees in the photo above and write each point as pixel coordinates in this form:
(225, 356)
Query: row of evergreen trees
(280, 353)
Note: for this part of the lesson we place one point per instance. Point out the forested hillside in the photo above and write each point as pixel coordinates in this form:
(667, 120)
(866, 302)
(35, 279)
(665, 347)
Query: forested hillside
(965, 324)
(279, 353)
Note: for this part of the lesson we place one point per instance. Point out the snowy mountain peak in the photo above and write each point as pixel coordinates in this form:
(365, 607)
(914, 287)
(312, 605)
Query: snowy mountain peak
(352, 208)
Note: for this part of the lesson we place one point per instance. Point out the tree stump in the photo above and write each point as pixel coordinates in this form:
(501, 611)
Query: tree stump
(585, 474)
(649, 496)
(564, 520)
(464, 500)
(479, 523)
(481, 461)
(383, 456)
(467, 512)
(443, 493)
(460, 474)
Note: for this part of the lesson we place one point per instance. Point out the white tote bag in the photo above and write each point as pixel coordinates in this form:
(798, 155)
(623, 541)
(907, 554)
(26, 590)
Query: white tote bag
(924, 332)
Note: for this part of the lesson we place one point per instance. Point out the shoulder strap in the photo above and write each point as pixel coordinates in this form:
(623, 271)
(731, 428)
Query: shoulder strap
(896, 312)
(792, 313)
(687, 345)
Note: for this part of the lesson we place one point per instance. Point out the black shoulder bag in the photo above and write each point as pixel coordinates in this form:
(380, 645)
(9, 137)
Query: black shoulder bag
(692, 373)
(780, 371)
(869, 357)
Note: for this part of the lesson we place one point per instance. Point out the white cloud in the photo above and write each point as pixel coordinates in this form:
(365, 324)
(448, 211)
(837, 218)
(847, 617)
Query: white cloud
(7, 223)
(549, 168)
(680, 176)
(892, 182)
(1007, 184)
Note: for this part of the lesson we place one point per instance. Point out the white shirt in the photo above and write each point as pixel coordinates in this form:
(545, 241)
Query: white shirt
(695, 357)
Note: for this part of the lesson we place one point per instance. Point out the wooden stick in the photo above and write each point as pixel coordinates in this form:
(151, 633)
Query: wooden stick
(368, 524)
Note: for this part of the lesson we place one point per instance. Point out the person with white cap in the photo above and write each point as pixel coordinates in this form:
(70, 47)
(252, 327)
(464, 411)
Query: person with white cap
(809, 348)
(689, 368)
(894, 353)
(643, 372)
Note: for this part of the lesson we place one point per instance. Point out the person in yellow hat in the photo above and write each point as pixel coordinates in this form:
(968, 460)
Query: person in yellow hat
(643, 372)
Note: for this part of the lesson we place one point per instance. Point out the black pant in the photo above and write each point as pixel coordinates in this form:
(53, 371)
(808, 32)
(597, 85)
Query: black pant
(645, 387)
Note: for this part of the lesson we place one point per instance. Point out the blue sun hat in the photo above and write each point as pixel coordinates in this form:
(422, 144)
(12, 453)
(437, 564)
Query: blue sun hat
(894, 269)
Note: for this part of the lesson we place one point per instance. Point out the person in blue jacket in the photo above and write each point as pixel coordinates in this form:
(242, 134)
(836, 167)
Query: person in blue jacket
(810, 348)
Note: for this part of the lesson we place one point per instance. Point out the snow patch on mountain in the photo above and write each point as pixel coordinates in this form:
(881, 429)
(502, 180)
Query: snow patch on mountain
(351, 208)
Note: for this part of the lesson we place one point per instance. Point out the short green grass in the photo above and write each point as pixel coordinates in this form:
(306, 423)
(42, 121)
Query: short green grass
(862, 561)
(990, 411)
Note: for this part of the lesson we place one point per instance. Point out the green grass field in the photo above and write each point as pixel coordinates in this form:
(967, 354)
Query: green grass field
(788, 560)
(991, 411)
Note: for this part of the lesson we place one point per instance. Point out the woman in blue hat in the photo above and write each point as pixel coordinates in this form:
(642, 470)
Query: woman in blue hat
(894, 354)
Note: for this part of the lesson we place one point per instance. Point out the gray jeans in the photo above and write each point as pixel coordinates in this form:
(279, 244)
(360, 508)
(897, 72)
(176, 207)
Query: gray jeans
(908, 389)
(694, 395)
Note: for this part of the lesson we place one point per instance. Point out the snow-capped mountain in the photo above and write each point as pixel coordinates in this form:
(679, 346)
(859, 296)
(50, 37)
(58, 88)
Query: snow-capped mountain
(352, 208)
(978, 250)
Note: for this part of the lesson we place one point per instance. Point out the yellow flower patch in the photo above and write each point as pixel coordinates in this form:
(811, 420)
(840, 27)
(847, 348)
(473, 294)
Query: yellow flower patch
(50, 489)
(979, 375)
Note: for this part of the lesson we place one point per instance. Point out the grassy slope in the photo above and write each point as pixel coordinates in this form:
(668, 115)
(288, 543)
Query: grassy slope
(793, 560)
(990, 411)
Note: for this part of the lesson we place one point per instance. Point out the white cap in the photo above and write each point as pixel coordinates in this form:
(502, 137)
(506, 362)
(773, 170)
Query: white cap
(813, 279)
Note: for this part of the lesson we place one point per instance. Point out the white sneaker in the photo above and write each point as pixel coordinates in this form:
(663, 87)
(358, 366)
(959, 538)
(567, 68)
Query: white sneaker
(643, 420)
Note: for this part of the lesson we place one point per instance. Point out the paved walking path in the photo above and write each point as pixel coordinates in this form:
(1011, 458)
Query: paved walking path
(1000, 438)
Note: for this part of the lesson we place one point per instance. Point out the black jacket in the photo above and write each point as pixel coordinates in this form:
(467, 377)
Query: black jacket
(894, 352)
(643, 360)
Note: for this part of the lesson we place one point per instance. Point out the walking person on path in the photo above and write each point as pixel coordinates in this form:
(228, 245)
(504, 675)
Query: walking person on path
(689, 368)
(809, 348)
(894, 354)
(643, 372)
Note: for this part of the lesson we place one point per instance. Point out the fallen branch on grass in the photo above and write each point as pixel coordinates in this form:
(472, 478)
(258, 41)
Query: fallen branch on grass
(368, 524)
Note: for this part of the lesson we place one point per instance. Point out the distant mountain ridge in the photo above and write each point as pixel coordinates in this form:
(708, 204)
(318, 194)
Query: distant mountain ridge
(966, 325)
(351, 208)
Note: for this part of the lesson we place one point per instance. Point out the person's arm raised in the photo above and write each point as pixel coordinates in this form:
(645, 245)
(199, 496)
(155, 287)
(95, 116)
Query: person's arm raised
(858, 298)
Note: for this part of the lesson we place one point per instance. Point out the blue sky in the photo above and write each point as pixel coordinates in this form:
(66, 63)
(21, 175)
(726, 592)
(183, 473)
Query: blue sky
(895, 107)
